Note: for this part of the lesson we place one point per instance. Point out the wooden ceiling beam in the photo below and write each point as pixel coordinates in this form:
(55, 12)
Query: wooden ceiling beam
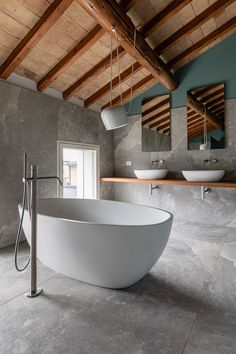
(80, 48)
(127, 5)
(92, 73)
(195, 23)
(136, 89)
(193, 51)
(167, 13)
(50, 16)
(200, 108)
(108, 14)
(115, 82)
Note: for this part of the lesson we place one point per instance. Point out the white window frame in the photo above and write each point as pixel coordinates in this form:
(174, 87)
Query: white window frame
(74, 145)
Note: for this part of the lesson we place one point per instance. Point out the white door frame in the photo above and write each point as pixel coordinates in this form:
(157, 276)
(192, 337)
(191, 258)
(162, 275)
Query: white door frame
(69, 144)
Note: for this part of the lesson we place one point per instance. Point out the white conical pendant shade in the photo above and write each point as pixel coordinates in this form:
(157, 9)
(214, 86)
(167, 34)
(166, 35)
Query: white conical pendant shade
(114, 117)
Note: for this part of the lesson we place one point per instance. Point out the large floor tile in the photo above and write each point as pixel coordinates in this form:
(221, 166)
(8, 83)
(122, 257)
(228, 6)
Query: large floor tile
(190, 258)
(213, 333)
(221, 292)
(13, 283)
(73, 317)
(7, 253)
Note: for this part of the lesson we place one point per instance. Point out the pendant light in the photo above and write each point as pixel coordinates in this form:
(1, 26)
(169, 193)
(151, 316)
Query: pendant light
(114, 117)
(204, 145)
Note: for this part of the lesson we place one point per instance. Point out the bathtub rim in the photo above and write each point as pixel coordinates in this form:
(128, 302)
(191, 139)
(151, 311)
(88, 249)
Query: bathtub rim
(169, 219)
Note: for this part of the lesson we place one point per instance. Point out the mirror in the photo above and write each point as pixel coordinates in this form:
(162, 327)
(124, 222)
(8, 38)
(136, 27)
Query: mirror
(205, 118)
(156, 127)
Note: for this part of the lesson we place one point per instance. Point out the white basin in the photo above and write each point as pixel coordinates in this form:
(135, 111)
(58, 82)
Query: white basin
(204, 175)
(150, 174)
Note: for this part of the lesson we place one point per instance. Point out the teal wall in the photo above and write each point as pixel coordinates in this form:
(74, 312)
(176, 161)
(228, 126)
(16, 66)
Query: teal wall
(218, 64)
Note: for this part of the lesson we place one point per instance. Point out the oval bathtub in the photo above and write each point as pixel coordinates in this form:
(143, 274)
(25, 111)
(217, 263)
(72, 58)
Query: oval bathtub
(105, 243)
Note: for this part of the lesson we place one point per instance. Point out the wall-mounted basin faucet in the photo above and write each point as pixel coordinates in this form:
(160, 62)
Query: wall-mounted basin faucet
(160, 162)
(210, 161)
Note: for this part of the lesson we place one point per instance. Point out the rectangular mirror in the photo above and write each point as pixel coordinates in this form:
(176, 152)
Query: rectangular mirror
(205, 118)
(156, 127)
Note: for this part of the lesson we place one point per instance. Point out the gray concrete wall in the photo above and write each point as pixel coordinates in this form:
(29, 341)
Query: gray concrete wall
(219, 208)
(33, 122)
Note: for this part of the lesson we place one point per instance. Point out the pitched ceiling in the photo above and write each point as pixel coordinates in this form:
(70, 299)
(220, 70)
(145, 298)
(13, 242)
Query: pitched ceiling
(65, 44)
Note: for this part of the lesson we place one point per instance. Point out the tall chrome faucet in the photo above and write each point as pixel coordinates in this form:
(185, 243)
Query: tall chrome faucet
(33, 181)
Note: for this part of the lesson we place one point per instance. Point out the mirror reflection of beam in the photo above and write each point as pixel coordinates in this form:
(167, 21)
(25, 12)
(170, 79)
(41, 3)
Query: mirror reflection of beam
(198, 132)
(200, 129)
(209, 90)
(146, 111)
(217, 102)
(165, 114)
(195, 123)
(160, 126)
(217, 107)
(198, 107)
(196, 116)
(212, 98)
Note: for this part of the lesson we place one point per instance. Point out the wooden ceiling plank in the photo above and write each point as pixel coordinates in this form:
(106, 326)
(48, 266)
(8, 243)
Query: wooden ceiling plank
(108, 15)
(50, 16)
(92, 73)
(216, 35)
(115, 82)
(80, 48)
(195, 23)
(136, 88)
(172, 9)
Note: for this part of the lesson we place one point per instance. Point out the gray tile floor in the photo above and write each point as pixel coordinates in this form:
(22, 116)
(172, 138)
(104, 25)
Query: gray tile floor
(186, 304)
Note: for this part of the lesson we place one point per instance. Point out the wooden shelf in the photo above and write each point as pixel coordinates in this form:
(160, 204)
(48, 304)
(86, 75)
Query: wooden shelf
(177, 182)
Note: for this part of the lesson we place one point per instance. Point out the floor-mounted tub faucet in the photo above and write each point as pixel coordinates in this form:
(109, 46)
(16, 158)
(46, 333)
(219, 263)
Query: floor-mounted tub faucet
(33, 205)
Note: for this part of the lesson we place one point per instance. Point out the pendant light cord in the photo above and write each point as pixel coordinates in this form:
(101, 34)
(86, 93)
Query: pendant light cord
(111, 59)
(118, 64)
(132, 73)
(119, 69)
(205, 127)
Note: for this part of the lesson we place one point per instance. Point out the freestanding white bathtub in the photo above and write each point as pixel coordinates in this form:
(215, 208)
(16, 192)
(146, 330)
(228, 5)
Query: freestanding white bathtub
(105, 243)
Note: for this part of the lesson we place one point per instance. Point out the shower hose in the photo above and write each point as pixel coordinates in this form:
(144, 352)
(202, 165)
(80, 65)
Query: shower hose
(25, 200)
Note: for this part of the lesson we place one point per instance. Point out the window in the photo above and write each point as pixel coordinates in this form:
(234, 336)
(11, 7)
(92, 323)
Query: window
(78, 167)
